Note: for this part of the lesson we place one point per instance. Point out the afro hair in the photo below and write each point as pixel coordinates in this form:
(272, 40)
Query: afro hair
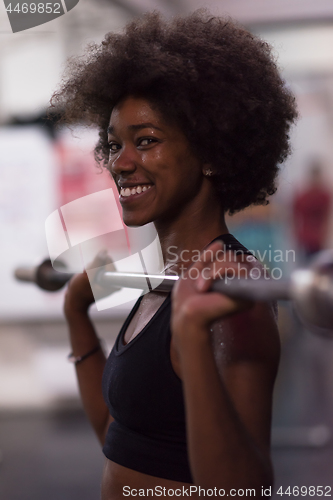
(208, 75)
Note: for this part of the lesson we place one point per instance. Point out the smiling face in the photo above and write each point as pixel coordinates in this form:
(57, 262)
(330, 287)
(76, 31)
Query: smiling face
(157, 175)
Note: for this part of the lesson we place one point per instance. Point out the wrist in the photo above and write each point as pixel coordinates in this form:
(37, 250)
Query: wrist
(79, 359)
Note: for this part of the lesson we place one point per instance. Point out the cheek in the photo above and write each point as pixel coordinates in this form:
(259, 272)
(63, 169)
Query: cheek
(189, 173)
(173, 169)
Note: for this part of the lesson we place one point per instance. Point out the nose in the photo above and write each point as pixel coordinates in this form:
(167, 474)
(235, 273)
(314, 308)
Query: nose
(123, 161)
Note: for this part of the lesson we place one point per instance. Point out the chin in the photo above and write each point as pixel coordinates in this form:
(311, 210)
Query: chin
(132, 224)
(132, 221)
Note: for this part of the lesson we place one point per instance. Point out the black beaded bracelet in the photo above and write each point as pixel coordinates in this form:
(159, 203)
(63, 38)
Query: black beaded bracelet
(78, 359)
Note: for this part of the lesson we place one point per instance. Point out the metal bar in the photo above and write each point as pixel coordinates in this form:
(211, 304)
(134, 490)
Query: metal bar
(157, 282)
(263, 290)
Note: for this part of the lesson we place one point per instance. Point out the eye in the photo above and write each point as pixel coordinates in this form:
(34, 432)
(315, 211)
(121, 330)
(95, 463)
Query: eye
(114, 147)
(146, 141)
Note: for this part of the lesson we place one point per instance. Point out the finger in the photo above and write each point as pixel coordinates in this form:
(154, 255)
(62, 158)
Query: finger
(224, 306)
(224, 271)
(102, 258)
(210, 254)
(205, 310)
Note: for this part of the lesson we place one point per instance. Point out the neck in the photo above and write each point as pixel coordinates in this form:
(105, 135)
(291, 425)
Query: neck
(192, 230)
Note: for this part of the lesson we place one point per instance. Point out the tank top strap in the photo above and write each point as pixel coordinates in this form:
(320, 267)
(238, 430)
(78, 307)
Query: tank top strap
(231, 243)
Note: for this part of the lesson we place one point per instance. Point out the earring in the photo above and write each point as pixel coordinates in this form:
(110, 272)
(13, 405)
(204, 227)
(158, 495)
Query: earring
(208, 172)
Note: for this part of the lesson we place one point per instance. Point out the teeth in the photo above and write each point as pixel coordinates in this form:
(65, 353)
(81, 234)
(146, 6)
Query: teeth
(134, 190)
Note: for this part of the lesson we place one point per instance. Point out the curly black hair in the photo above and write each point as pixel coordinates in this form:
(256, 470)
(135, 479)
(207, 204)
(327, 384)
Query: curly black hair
(208, 75)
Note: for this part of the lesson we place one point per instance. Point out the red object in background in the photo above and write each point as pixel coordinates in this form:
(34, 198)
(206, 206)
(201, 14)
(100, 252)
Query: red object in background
(311, 210)
(79, 176)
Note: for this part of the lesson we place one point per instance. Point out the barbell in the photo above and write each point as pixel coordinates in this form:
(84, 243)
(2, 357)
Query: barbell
(310, 289)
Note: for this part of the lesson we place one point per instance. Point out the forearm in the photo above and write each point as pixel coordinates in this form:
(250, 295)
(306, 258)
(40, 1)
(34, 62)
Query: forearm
(221, 451)
(89, 372)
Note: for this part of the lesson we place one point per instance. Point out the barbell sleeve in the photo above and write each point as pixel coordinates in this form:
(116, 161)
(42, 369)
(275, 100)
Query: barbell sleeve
(44, 276)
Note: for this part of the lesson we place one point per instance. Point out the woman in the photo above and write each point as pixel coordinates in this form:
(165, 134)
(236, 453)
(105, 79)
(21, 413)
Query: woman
(194, 120)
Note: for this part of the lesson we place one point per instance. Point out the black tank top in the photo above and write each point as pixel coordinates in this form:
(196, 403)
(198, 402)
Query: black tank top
(145, 397)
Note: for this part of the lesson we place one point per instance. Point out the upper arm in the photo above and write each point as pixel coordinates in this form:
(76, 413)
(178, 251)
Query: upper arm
(247, 350)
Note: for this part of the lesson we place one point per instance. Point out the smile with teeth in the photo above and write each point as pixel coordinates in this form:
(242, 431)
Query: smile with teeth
(134, 190)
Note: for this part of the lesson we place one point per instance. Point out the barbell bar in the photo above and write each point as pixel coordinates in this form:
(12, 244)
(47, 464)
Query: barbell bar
(310, 289)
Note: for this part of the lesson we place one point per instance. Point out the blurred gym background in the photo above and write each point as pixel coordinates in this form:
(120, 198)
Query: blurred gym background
(47, 449)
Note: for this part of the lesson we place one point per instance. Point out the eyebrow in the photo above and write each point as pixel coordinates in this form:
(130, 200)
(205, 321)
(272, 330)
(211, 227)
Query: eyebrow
(139, 126)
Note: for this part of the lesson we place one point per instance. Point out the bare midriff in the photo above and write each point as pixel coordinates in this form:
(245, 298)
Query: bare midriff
(119, 483)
